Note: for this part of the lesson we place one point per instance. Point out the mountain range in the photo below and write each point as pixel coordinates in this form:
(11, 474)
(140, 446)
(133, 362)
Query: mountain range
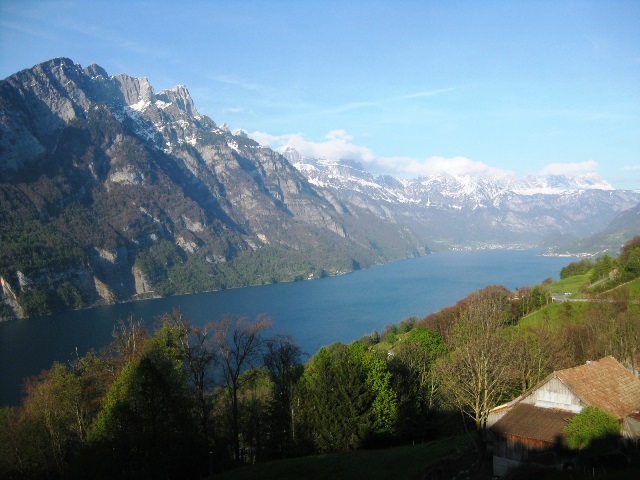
(110, 191)
(451, 211)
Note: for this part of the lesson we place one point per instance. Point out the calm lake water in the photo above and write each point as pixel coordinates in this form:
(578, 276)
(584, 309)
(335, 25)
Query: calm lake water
(315, 313)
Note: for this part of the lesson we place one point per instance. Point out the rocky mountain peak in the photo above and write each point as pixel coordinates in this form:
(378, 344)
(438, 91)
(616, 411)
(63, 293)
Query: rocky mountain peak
(351, 163)
(135, 90)
(179, 95)
(483, 210)
(292, 155)
(95, 71)
(241, 133)
(57, 66)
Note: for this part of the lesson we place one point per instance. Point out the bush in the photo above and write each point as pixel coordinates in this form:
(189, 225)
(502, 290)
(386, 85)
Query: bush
(589, 427)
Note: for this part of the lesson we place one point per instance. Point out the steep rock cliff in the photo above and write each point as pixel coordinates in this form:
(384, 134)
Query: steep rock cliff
(104, 179)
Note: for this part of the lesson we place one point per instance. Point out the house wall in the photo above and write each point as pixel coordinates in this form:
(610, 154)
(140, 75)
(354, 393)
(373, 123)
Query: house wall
(518, 448)
(512, 451)
(631, 428)
(501, 465)
(495, 415)
(554, 394)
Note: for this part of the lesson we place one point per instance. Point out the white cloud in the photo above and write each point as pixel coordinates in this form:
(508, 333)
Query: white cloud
(632, 168)
(340, 135)
(570, 168)
(339, 145)
(454, 166)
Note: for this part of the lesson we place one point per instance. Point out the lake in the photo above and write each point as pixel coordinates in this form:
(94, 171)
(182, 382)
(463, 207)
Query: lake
(315, 313)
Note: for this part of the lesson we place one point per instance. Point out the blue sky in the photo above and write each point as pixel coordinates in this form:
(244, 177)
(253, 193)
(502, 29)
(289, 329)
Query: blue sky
(407, 87)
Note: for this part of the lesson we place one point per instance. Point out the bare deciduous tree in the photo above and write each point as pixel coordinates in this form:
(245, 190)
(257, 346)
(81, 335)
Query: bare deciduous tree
(240, 346)
(478, 374)
(128, 337)
(198, 348)
(535, 353)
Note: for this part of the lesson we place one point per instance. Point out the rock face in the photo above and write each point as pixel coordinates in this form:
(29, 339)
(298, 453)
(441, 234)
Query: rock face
(102, 178)
(8, 297)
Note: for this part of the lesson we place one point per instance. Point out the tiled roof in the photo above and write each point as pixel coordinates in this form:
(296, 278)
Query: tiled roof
(604, 384)
(530, 422)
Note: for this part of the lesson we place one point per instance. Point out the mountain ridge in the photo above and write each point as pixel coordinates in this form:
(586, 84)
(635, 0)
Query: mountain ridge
(111, 191)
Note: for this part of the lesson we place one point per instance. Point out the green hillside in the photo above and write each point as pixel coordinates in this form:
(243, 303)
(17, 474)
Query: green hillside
(556, 315)
(571, 285)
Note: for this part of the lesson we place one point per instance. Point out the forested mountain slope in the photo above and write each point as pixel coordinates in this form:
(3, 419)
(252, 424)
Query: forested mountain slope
(110, 190)
(623, 227)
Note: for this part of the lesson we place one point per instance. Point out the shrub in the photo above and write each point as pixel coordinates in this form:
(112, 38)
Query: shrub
(589, 427)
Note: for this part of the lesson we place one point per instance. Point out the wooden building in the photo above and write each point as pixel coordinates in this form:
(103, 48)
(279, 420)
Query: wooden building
(530, 429)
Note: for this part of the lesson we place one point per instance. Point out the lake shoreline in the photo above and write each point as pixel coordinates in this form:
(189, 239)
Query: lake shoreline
(340, 308)
(150, 295)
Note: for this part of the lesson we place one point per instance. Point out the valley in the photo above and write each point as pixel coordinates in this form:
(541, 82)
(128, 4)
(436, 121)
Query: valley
(320, 239)
(113, 192)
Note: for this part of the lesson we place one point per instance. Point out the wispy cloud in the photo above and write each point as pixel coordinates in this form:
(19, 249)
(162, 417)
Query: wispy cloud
(235, 110)
(264, 99)
(237, 82)
(386, 100)
(27, 29)
(570, 168)
(113, 37)
(631, 168)
(429, 93)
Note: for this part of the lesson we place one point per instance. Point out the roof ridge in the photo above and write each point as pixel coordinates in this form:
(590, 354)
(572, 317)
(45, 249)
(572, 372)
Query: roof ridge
(605, 384)
(583, 381)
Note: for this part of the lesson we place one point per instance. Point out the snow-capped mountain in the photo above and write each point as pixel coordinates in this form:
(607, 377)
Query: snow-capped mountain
(476, 211)
(110, 191)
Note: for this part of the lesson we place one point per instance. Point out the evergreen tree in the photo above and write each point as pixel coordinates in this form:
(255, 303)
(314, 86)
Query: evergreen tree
(384, 405)
(337, 401)
(282, 360)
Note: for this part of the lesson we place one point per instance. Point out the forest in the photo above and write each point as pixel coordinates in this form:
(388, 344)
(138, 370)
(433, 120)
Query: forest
(182, 400)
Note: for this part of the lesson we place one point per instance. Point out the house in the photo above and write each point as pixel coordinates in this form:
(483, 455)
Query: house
(530, 429)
